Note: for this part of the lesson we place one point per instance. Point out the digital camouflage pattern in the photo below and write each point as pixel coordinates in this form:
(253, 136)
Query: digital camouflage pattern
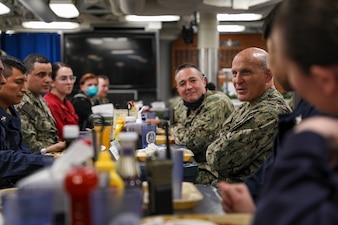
(38, 125)
(246, 138)
(197, 130)
(101, 100)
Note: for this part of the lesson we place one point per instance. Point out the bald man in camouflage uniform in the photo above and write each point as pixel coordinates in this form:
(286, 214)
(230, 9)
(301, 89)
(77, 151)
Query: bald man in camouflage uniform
(38, 125)
(247, 136)
(198, 116)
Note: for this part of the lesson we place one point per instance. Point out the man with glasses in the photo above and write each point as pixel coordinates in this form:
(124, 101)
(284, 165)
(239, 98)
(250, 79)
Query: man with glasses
(61, 108)
(38, 125)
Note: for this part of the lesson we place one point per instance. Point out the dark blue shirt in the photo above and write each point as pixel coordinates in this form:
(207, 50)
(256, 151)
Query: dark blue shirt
(286, 123)
(303, 186)
(16, 160)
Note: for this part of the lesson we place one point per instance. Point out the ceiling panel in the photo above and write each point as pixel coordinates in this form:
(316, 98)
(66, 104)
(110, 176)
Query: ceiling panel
(109, 13)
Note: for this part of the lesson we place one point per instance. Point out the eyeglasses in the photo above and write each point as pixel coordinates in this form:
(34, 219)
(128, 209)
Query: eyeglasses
(65, 78)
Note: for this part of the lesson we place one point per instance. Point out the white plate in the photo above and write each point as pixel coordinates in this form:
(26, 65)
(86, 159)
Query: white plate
(190, 196)
(142, 154)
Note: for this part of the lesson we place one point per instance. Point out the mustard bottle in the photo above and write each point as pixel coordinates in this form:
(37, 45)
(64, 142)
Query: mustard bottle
(106, 168)
(118, 128)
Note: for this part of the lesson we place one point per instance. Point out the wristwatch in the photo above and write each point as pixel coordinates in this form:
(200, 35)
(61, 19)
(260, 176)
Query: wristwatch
(43, 151)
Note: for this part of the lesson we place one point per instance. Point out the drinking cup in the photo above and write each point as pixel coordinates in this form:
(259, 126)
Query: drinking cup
(28, 207)
(103, 126)
(109, 208)
(177, 172)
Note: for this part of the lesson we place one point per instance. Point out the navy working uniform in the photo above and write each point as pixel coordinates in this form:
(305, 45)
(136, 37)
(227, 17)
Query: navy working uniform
(303, 110)
(246, 137)
(38, 125)
(303, 186)
(196, 129)
(16, 160)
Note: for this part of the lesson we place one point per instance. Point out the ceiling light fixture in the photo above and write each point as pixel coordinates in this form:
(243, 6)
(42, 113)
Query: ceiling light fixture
(51, 26)
(218, 3)
(239, 17)
(4, 9)
(246, 4)
(230, 28)
(64, 8)
(258, 2)
(169, 18)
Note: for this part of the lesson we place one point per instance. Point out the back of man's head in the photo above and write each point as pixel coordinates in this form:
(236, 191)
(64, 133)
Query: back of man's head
(269, 21)
(309, 31)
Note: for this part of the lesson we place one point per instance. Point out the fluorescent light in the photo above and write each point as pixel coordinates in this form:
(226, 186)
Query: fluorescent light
(239, 17)
(4, 9)
(52, 25)
(246, 4)
(218, 3)
(64, 10)
(169, 18)
(230, 28)
(240, 4)
(257, 2)
(122, 52)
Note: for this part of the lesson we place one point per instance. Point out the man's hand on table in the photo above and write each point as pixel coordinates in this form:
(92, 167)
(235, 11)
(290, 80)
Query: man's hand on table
(58, 147)
(236, 198)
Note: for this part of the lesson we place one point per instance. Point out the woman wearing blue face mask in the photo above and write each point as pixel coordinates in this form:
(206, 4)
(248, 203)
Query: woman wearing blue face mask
(84, 99)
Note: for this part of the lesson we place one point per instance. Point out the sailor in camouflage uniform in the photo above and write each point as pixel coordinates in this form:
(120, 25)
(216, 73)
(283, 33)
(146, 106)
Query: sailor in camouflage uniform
(38, 125)
(247, 136)
(198, 116)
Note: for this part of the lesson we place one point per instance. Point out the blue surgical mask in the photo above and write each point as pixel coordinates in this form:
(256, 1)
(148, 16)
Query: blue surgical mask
(92, 91)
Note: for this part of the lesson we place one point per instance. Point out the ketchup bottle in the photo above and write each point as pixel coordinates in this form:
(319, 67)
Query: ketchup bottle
(79, 183)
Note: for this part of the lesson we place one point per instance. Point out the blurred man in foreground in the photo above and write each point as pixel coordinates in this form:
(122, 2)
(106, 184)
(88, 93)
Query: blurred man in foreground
(303, 185)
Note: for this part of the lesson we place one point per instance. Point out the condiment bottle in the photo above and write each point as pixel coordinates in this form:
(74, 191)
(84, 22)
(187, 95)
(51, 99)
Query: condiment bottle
(79, 183)
(107, 174)
(127, 166)
(70, 134)
(118, 127)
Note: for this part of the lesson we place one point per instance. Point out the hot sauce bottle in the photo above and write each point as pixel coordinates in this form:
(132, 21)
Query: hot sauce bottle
(79, 184)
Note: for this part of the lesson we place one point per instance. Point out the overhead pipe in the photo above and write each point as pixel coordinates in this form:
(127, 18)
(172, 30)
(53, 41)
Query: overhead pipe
(40, 9)
(208, 44)
(115, 7)
(132, 7)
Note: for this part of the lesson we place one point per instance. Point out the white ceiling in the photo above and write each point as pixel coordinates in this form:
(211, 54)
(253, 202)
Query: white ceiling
(110, 13)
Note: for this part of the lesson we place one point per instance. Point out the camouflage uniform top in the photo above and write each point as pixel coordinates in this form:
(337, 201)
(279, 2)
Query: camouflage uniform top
(38, 125)
(99, 100)
(197, 130)
(246, 138)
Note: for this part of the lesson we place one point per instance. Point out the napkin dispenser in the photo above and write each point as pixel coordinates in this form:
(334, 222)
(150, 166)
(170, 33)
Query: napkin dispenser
(159, 176)
(160, 188)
